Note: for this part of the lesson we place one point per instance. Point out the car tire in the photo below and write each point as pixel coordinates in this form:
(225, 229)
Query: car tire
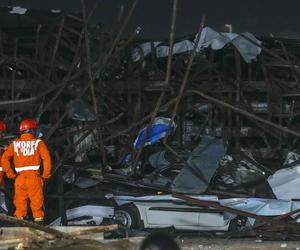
(128, 216)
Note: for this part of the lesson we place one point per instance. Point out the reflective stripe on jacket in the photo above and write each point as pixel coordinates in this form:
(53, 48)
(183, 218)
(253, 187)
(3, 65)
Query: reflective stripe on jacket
(27, 152)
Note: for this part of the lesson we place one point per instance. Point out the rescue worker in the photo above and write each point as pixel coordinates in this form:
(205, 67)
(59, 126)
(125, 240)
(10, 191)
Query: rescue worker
(27, 152)
(2, 129)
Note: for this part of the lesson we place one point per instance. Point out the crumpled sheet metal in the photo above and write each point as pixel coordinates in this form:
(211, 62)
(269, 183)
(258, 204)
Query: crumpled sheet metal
(205, 160)
(208, 38)
(238, 171)
(98, 212)
(216, 40)
(264, 207)
(291, 158)
(285, 182)
(145, 48)
(123, 199)
(258, 206)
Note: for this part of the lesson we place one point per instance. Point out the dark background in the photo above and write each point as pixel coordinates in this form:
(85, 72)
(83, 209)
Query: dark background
(262, 17)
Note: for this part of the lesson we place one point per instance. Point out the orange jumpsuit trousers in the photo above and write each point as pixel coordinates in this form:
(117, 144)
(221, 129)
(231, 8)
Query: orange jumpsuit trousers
(27, 153)
(29, 185)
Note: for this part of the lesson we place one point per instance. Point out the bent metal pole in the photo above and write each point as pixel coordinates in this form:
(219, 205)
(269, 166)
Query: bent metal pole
(242, 112)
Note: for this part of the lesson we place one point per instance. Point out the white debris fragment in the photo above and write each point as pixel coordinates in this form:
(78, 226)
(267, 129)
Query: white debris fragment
(284, 181)
(209, 38)
(18, 10)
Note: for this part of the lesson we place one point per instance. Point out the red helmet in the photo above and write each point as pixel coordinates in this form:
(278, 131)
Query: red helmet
(27, 124)
(2, 126)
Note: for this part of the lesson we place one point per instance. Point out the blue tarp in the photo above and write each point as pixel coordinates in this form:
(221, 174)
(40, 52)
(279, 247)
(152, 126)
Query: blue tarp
(159, 129)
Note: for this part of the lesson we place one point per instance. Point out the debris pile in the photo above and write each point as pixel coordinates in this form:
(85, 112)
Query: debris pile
(215, 115)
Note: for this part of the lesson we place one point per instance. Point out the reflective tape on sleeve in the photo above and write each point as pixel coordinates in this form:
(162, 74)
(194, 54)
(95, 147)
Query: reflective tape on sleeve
(37, 143)
(1, 169)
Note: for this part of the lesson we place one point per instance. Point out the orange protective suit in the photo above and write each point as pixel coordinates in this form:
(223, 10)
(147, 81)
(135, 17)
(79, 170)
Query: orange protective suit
(27, 153)
(1, 169)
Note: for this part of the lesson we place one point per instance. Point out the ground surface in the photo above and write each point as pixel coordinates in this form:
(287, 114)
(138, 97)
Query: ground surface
(186, 243)
(235, 244)
(194, 243)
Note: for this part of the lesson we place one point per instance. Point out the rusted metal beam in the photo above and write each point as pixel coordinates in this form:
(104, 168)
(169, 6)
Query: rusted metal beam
(102, 62)
(69, 75)
(270, 52)
(278, 218)
(58, 38)
(243, 112)
(89, 70)
(167, 80)
(84, 129)
(37, 41)
(128, 129)
(238, 97)
(38, 74)
(187, 73)
(213, 204)
(13, 80)
(30, 99)
(13, 220)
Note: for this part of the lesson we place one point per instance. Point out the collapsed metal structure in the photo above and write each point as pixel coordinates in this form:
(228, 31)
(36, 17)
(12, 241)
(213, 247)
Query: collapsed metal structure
(50, 71)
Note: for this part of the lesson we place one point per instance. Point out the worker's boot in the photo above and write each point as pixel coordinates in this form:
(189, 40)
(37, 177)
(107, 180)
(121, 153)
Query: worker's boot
(39, 220)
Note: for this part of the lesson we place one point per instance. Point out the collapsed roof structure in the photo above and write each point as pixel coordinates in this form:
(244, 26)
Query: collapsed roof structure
(220, 99)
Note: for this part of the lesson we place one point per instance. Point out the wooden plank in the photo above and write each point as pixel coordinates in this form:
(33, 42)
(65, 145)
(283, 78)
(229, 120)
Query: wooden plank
(81, 232)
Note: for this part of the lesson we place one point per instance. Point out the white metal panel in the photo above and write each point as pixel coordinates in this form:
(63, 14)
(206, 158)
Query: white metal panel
(180, 219)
